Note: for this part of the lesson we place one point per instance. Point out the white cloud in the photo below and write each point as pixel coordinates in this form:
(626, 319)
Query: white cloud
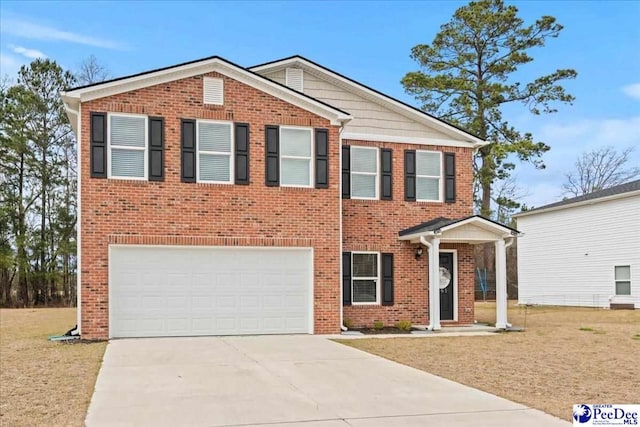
(26, 52)
(632, 90)
(30, 30)
(568, 140)
(9, 65)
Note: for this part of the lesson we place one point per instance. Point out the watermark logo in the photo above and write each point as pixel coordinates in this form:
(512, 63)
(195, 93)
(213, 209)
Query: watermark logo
(606, 415)
(581, 413)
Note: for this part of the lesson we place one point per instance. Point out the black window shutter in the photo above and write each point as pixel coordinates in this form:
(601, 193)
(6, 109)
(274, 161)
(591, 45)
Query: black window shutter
(272, 154)
(242, 153)
(156, 149)
(410, 175)
(188, 150)
(449, 177)
(346, 278)
(346, 172)
(387, 279)
(386, 190)
(98, 145)
(322, 158)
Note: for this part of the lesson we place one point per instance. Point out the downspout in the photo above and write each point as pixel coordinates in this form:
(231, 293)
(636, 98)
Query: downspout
(76, 113)
(342, 327)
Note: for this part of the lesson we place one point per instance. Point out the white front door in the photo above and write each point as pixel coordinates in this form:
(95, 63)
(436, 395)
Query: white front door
(186, 291)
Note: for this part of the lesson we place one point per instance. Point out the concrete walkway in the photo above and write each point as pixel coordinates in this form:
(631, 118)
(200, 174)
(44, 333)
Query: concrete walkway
(288, 381)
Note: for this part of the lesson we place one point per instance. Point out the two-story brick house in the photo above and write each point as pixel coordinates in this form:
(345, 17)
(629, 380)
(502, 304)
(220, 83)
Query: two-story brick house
(283, 198)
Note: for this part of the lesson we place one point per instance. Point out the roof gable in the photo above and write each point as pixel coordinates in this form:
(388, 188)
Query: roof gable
(373, 95)
(439, 225)
(73, 97)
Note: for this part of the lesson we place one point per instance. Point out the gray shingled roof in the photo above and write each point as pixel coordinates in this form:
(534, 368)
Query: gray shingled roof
(607, 192)
(440, 222)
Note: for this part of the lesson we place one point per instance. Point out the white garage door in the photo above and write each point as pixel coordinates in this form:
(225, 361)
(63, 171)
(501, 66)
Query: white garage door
(165, 291)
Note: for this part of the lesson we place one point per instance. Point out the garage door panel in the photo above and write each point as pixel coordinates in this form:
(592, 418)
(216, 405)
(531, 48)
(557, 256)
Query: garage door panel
(177, 304)
(163, 291)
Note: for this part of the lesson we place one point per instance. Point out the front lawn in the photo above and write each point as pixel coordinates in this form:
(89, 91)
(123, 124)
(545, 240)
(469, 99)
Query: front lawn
(566, 356)
(44, 383)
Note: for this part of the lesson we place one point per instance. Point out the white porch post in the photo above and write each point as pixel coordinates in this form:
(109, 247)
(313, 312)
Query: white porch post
(501, 284)
(434, 285)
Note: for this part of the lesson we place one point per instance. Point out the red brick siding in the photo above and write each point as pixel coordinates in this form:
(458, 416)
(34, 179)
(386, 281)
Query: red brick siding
(373, 225)
(174, 213)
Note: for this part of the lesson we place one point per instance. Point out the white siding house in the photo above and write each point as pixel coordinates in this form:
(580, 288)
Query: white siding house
(583, 251)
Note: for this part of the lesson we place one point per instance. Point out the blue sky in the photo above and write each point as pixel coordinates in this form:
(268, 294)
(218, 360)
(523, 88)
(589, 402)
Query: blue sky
(368, 41)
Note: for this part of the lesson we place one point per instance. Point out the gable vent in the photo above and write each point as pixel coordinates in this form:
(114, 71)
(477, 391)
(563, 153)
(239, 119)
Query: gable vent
(213, 91)
(294, 78)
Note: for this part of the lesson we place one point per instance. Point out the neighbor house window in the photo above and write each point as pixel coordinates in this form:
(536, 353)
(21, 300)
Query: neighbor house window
(296, 157)
(127, 146)
(364, 279)
(623, 279)
(428, 175)
(364, 173)
(214, 152)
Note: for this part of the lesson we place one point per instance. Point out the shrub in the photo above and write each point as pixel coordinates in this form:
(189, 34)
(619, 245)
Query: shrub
(349, 323)
(404, 325)
(378, 325)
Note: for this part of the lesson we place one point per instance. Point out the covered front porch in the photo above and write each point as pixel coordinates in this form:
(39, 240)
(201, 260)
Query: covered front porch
(471, 230)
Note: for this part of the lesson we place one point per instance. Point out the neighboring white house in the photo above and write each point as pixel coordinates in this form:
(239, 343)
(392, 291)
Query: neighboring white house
(583, 251)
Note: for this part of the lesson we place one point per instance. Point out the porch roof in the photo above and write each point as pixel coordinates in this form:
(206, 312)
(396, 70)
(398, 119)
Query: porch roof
(470, 229)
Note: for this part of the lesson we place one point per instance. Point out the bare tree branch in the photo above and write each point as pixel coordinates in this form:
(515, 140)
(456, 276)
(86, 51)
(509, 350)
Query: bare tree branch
(92, 71)
(599, 169)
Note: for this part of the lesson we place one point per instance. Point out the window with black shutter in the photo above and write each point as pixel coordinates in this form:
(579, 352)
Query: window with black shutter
(156, 149)
(242, 153)
(98, 145)
(322, 158)
(188, 150)
(449, 177)
(386, 183)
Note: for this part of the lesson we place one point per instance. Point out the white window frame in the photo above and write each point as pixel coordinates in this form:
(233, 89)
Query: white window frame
(310, 158)
(376, 279)
(376, 174)
(440, 177)
(122, 147)
(218, 153)
(616, 281)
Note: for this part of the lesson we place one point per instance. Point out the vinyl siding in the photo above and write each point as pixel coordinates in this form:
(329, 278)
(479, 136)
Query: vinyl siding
(277, 76)
(369, 117)
(567, 257)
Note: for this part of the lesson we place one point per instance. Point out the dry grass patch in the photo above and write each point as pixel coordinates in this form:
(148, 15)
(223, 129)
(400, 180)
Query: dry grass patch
(566, 356)
(44, 383)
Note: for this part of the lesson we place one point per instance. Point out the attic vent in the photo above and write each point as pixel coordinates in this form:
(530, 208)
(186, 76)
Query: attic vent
(213, 90)
(294, 78)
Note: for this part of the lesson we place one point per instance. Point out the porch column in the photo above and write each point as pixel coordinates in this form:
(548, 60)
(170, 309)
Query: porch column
(434, 285)
(501, 284)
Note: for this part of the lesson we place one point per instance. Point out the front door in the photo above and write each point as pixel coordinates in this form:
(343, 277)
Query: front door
(446, 286)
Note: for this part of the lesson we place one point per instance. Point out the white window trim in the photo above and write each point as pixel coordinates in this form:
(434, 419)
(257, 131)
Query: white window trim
(377, 279)
(377, 173)
(219, 153)
(122, 147)
(439, 178)
(310, 158)
(616, 281)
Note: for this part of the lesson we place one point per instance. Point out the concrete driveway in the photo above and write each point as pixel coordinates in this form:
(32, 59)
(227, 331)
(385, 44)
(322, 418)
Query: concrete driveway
(282, 381)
